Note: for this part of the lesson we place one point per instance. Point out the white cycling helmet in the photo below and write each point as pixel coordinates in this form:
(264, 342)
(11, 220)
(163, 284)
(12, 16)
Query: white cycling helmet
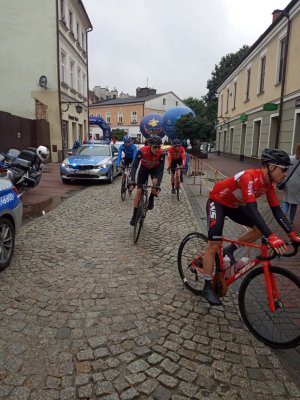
(43, 153)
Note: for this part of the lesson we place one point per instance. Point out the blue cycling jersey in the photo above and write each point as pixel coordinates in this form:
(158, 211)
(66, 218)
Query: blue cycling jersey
(129, 151)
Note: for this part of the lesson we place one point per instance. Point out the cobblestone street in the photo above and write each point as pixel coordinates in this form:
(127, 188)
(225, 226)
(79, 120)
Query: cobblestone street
(86, 314)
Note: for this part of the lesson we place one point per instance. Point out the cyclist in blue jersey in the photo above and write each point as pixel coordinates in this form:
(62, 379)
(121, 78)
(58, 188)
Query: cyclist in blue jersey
(129, 149)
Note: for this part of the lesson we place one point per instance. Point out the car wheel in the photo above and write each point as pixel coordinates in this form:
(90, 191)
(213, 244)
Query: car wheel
(7, 242)
(66, 180)
(111, 176)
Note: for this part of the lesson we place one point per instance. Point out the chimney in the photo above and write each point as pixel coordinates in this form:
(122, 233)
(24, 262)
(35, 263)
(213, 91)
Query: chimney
(276, 14)
(143, 92)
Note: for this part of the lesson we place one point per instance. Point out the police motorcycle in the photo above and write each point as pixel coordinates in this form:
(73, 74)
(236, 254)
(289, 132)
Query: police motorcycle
(24, 169)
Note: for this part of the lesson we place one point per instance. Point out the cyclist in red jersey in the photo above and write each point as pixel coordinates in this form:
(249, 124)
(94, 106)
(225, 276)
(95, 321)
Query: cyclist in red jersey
(151, 160)
(235, 198)
(176, 156)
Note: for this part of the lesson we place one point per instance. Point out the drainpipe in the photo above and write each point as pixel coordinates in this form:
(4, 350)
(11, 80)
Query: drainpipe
(86, 134)
(58, 82)
(283, 80)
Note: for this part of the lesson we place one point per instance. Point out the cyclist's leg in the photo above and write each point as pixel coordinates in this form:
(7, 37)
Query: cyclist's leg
(240, 217)
(216, 216)
(180, 164)
(173, 167)
(153, 191)
(141, 180)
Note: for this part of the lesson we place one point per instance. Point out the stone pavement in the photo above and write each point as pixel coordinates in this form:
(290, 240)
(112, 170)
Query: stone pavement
(86, 314)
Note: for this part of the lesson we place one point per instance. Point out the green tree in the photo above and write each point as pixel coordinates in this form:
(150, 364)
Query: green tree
(118, 133)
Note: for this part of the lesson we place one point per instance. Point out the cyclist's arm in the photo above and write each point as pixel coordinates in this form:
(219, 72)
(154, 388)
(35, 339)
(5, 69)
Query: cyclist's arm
(135, 150)
(160, 168)
(119, 155)
(183, 157)
(169, 157)
(245, 183)
(135, 165)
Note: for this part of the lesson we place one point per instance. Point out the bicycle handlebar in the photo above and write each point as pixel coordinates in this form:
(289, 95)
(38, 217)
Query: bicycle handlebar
(274, 254)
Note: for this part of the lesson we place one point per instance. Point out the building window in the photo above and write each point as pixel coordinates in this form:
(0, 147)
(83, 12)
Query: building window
(72, 64)
(282, 50)
(83, 40)
(134, 116)
(83, 84)
(164, 102)
(176, 103)
(78, 80)
(62, 10)
(248, 78)
(63, 67)
(120, 117)
(262, 74)
(98, 115)
(227, 100)
(71, 21)
(234, 94)
(78, 32)
(221, 105)
(108, 117)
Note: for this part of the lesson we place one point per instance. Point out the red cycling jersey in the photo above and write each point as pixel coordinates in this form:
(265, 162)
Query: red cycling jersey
(244, 187)
(176, 153)
(150, 160)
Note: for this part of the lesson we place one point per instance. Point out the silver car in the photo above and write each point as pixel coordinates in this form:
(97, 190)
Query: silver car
(92, 161)
(10, 220)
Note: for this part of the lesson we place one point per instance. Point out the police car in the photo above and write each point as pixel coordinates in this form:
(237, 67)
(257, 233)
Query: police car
(94, 160)
(10, 220)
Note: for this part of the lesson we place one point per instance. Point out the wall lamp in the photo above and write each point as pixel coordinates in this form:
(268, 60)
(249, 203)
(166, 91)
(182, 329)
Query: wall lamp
(67, 104)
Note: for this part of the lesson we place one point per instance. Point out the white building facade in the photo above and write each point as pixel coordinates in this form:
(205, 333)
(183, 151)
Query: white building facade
(44, 66)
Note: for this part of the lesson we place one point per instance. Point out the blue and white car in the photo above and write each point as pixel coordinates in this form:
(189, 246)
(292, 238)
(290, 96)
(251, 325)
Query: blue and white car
(10, 220)
(91, 161)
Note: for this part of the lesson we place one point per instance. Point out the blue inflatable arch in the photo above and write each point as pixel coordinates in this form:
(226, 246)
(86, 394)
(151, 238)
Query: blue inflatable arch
(102, 124)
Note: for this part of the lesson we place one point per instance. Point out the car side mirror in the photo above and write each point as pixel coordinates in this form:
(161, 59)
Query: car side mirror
(70, 153)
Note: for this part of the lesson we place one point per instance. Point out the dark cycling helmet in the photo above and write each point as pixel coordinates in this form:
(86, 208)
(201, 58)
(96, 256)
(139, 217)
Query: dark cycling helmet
(176, 142)
(127, 139)
(154, 140)
(275, 157)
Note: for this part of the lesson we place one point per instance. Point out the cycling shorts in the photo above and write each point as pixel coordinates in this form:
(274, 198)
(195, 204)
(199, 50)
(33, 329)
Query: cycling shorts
(143, 175)
(127, 162)
(174, 164)
(216, 214)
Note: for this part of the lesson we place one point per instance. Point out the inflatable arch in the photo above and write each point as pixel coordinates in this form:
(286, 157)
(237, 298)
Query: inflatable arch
(102, 124)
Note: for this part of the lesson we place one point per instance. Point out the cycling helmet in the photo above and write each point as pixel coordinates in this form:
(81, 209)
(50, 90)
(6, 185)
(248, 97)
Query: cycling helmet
(275, 157)
(154, 140)
(42, 153)
(127, 139)
(176, 142)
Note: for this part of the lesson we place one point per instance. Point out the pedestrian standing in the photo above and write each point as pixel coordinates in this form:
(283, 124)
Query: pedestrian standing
(291, 191)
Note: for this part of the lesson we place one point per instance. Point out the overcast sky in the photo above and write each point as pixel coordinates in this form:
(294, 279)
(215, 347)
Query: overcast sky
(171, 45)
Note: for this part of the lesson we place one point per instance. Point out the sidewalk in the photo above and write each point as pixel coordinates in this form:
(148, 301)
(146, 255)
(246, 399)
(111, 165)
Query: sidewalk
(229, 166)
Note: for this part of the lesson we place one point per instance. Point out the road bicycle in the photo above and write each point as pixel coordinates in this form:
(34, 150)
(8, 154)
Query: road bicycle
(124, 183)
(177, 184)
(268, 296)
(142, 211)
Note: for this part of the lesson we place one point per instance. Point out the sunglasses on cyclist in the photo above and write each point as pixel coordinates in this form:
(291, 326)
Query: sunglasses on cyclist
(155, 147)
(177, 146)
(284, 169)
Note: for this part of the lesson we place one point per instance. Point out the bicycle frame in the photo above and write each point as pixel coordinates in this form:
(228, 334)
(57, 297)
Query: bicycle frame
(269, 280)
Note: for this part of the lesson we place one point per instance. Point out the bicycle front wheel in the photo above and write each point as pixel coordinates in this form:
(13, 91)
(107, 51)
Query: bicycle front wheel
(139, 221)
(123, 187)
(190, 263)
(280, 329)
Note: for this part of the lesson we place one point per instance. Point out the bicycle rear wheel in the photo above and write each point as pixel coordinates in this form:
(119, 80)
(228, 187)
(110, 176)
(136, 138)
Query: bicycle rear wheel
(189, 256)
(139, 221)
(280, 329)
(123, 187)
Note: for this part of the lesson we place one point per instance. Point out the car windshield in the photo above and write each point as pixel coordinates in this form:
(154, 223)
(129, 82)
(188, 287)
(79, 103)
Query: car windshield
(94, 151)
